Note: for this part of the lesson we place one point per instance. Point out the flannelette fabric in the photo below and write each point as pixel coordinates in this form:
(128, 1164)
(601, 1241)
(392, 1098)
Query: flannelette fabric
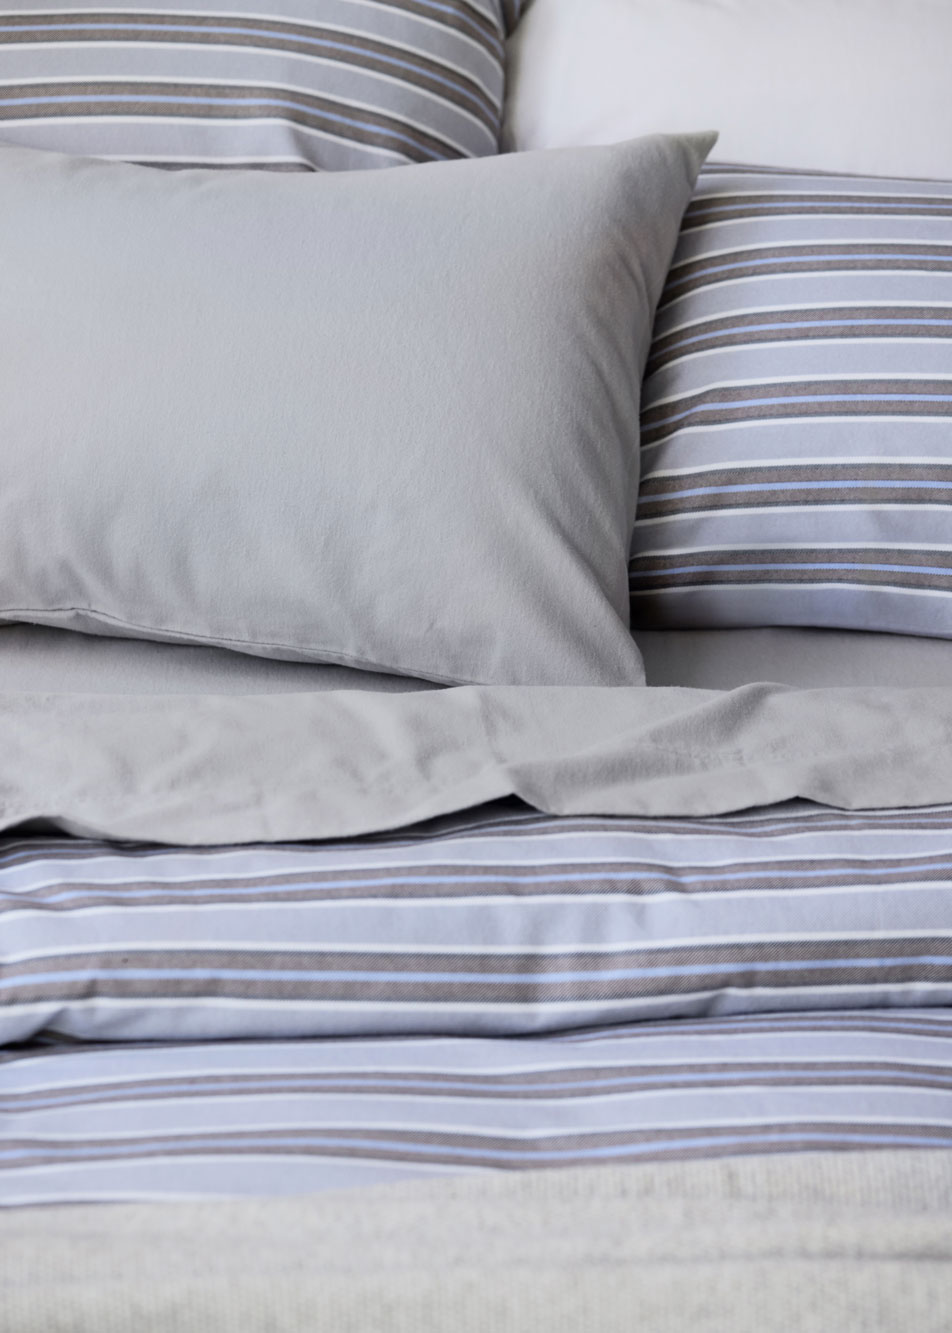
(380, 419)
(324, 85)
(796, 437)
(496, 922)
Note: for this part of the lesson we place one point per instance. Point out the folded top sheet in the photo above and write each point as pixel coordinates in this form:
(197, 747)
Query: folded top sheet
(199, 770)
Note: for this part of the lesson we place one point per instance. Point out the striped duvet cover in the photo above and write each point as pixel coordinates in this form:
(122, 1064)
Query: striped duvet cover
(495, 989)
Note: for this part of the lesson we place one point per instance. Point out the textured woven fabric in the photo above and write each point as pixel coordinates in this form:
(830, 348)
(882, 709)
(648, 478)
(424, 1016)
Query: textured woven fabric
(160, 1121)
(327, 84)
(383, 419)
(797, 414)
(497, 923)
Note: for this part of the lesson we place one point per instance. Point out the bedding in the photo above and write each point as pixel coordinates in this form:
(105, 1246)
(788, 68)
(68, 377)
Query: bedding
(796, 412)
(35, 658)
(837, 85)
(500, 923)
(292, 85)
(380, 419)
(164, 1121)
(812, 987)
(204, 770)
(242, 900)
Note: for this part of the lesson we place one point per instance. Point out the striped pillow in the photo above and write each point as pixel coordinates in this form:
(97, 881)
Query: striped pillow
(299, 84)
(797, 413)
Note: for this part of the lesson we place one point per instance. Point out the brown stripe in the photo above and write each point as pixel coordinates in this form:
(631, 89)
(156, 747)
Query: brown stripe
(309, 40)
(708, 209)
(543, 1085)
(794, 399)
(754, 328)
(459, 17)
(795, 260)
(297, 108)
(522, 977)
(491, 1150)
(831, 483)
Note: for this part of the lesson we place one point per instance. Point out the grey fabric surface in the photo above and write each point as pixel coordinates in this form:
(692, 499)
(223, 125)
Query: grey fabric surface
(800, 1244)
(805, 658)
(36, 657)
(279, 84)
(269, 768)
(381, 419)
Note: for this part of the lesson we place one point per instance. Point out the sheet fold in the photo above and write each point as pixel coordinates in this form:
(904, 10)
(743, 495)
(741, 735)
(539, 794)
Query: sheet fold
(196, 769)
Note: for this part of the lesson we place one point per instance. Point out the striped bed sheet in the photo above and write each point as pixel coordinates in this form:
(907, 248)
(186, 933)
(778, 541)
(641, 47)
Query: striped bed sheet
(796, 408)
(496, 989)
(172, 1121)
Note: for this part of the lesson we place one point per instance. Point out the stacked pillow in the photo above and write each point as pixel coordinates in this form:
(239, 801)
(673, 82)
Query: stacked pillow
(386, 420)
(283, 84)
(797, 413)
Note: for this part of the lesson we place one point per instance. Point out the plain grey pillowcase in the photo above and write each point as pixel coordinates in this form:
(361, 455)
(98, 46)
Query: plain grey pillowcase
(383, 419)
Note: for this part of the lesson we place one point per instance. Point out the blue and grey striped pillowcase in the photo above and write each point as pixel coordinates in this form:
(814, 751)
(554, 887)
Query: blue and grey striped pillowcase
(796, 455)
(300, 84)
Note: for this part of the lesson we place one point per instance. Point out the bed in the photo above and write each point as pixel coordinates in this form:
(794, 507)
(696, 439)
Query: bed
(475, 726)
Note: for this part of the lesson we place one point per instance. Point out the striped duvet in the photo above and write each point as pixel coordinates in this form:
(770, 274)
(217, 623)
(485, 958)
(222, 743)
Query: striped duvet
(495, 989)
(502, 922)
(171, 1121)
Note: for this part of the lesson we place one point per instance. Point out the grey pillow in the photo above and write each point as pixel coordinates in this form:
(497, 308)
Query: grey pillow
(283, 84)
(382, 419)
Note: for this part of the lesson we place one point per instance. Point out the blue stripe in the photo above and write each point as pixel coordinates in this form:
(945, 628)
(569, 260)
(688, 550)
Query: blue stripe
(285, 104)
(883, 569)
(277, 975)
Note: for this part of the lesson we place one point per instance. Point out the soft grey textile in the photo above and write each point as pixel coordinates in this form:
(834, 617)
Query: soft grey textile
(292, 766)
(381, 419)
(35, 657)
(715, 659)
(802, 1244)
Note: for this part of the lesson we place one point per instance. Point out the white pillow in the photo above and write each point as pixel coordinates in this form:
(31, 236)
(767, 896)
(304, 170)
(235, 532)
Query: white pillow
(834, 85)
